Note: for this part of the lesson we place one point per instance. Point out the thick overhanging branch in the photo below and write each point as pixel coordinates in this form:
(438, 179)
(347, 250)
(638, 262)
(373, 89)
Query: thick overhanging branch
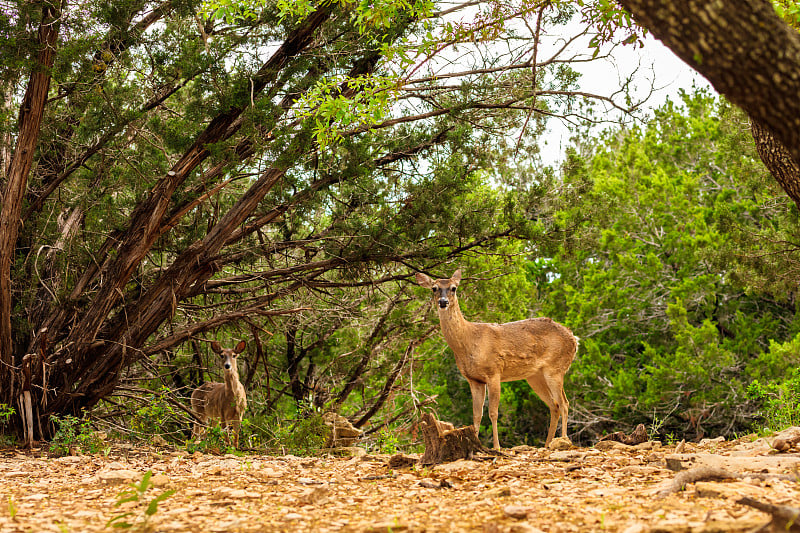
(744, 49)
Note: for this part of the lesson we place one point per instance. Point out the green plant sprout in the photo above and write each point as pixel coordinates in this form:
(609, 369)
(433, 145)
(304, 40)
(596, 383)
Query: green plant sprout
(12, 508)
(136, 494)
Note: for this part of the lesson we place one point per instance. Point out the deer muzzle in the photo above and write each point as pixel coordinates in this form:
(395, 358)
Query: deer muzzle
(443, 302)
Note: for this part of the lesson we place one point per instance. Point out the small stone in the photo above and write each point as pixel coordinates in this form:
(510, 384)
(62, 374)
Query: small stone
(711, 442)
(119, 476)
(498, 492)
(268, 473)
(605, 445)
(315, 496)
(400, 460)
(348, 451)
(234, 494)
(387, 527)
(515, 511)
(560, 444)
(569, 455)
(781, 445)
(159, 480)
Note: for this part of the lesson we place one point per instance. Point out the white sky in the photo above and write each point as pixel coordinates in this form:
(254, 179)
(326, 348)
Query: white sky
(654, 61)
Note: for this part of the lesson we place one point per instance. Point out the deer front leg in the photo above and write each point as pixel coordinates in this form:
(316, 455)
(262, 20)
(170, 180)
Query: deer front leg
(235, 427)
(478, 391)
(198, 429)
(494, 408)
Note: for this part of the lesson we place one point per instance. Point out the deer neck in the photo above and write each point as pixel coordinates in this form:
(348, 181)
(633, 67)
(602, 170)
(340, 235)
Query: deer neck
(231, 380)
(455, 327)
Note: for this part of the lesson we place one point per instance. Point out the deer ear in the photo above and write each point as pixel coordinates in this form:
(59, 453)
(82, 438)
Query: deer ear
(424, 280)
(240, 347)
(456, 277)
(215, 347)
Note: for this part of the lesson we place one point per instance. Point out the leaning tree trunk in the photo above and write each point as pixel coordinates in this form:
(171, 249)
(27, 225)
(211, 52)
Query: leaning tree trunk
(30, 120)
(747, 53)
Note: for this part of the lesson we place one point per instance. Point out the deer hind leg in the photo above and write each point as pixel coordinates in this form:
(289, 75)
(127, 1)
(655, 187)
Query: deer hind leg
(494, 408)
(478, 391)
(551, 396)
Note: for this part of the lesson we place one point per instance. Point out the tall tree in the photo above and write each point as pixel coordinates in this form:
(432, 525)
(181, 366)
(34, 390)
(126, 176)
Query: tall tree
(187, 171)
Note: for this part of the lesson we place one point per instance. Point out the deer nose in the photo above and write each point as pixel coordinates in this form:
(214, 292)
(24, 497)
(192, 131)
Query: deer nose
(227, 366)
(443, 302)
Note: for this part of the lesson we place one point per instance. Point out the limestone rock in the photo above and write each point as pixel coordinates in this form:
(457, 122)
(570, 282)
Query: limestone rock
(341, 432)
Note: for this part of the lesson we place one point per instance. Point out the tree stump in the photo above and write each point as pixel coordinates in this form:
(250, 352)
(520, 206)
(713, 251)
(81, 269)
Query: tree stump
(445, 443)
(638, 436)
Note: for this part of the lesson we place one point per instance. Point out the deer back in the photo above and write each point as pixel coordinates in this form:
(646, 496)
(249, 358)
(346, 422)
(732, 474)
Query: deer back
(519, 350)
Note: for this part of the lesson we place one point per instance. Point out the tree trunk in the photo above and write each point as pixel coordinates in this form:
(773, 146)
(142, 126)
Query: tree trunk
(747, 53)
(777, 159)
(30, 120)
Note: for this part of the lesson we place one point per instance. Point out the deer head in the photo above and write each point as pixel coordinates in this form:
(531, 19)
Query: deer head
(228, 355)
(444, 290)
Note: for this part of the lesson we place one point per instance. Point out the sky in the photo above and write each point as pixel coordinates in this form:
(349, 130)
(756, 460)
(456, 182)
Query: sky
(654, 61)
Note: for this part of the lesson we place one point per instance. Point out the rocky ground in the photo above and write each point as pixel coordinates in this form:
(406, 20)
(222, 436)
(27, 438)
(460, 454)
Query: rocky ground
(611, 488)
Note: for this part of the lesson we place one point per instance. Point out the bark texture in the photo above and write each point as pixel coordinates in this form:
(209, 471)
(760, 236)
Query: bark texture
(30, 120)
(445, 443)
(748, 54)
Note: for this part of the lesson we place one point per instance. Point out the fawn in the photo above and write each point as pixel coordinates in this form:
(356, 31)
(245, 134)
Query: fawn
(225, 402)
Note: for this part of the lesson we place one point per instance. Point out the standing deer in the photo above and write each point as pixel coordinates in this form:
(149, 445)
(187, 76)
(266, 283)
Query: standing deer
(225, 402)
(537, 350)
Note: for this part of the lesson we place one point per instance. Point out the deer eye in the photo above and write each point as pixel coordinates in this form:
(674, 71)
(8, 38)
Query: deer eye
(452, 289)
(433, 289)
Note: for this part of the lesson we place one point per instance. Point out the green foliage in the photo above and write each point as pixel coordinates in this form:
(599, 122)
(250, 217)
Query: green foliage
(6, 412)
(386, 441)
(304, 436)
(75, 435)
(159, 416)
(214, 440)
(776, 386)
(136, 493)
(13, 508)
(789, 11)
(651, 273)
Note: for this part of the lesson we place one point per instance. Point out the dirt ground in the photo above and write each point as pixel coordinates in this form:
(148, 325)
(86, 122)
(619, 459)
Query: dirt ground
(527, 490)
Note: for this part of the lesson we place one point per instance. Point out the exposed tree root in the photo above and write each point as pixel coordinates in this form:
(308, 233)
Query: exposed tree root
(784, 518)
(705, 473)
(700, 473)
